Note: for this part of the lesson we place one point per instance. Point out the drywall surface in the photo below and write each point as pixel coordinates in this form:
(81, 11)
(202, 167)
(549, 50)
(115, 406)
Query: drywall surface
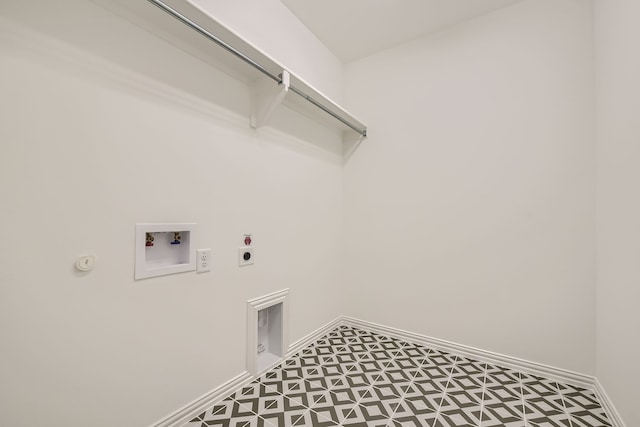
(469, 211)
(99, 133)
(618, 174)
(270, 26)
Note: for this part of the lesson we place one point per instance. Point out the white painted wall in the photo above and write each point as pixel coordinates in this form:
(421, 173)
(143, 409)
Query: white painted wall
(270, 26)
(100, 132)
(618, 149)
(469, 211)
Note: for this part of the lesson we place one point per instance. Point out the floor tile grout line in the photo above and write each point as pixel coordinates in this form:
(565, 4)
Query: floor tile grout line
(328, 392)
(356, 403)
(564, 406)
(484, 391)
(423, 359)
(444, 392)
(404, 394)
(311, 409)
(255, 414)
(524, 408)
(293, 399)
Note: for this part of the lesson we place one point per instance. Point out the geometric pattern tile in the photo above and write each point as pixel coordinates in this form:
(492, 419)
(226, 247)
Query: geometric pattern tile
(356, 378)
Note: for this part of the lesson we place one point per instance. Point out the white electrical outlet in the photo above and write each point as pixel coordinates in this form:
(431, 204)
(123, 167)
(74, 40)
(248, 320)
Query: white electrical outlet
(245, 256)
(203, 260)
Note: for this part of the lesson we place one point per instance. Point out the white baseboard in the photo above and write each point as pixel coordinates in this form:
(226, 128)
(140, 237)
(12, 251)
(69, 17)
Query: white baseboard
(556, 374)
(191, 410)
(199, 405)
(313, 336)
(204, 402)
(607, 405)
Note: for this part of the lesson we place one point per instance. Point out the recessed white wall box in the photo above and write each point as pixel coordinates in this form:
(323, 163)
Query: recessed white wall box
(267, 331)
(163, 249)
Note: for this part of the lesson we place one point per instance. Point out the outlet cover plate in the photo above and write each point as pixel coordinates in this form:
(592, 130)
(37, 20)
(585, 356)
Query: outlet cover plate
(246, 256)
(203, 260)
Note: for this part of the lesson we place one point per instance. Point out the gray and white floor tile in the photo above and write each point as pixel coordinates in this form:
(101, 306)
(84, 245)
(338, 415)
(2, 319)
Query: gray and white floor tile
(356, 378)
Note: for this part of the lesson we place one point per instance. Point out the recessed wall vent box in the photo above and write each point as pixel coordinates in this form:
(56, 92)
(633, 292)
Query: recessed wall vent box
(164, 249)
(268, 331)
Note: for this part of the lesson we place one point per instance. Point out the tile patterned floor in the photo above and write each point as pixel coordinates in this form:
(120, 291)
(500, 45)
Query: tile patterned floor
(355, 378)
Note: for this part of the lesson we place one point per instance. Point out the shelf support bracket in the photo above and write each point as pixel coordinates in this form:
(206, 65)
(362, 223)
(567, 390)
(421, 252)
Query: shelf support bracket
(350, 141)
(265, 98)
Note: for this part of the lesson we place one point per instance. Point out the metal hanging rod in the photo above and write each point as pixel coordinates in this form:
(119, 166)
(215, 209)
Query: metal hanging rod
(277, 78)
(189, 23)
(362, 132)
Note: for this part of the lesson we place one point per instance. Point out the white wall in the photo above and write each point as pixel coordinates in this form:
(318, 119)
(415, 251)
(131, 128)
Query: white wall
(271, 26)
(100, 132)
(618, 91)
(469, 211)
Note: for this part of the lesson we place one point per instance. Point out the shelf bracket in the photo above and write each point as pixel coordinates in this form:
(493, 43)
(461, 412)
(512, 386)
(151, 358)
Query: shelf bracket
(350, 141)
(265, 97)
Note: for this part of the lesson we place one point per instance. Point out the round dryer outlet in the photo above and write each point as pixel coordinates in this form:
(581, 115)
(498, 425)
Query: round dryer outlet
(245, 256)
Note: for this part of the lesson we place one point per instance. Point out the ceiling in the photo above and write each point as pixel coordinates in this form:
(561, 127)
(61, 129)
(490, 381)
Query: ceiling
(352, 29)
